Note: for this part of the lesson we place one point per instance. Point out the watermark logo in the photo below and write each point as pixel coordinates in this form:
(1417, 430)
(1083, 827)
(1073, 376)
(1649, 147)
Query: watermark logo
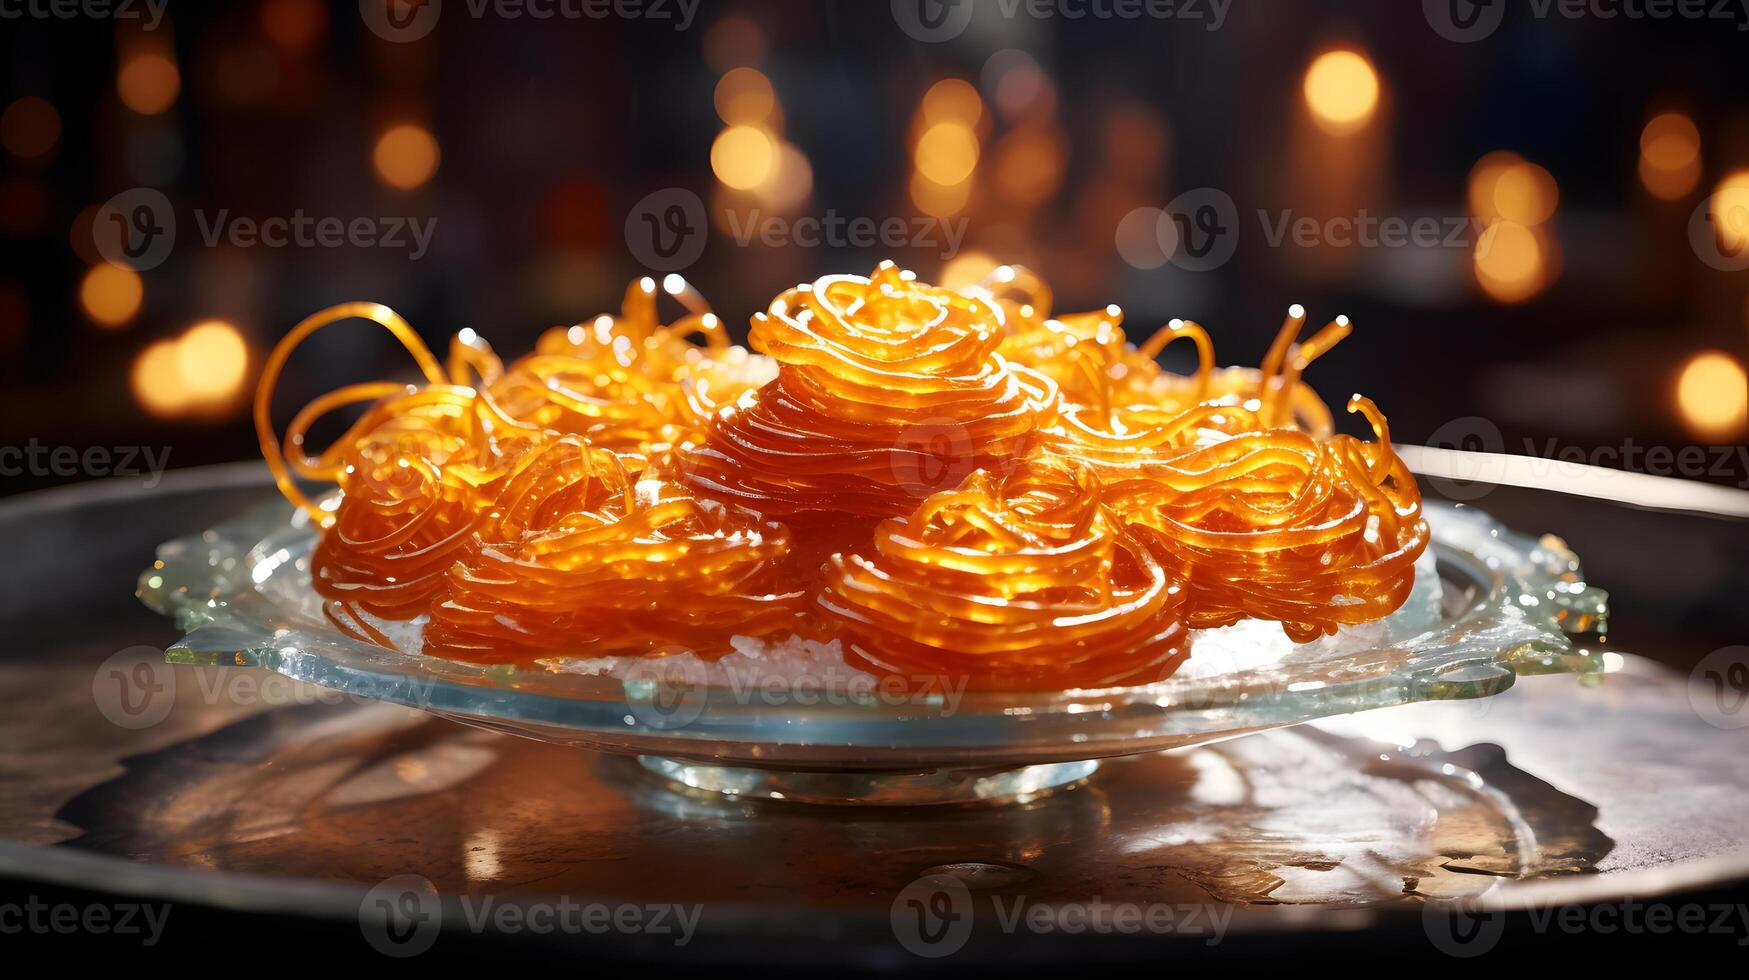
(834, 230)
(667, 692)
(1464, 21)
(148, 13)
(932, 21)
(136, 229)
(401, 916)
(1462, 928)
(35, 916)
(1718, 689)
(400, 21)
(1470, 434)
(1206, 226)
(134, 688)
(1718, 231)
(145, 463)
(666, 230)
(932, 916)
(931, 456)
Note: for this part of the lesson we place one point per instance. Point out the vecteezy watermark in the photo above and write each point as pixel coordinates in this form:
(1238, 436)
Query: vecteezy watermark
(1478, 473)
(1465, 21)
(135, 688)
(1199, 231)
(1718, 230)
(143, 920)
(404, 916)
(935, 916)
(410, 20)
(147, 463)
(666, 230)
(834, 230)
(1718, 689)
(300, 230)
(148, 13)
(1466, 928)
(671, 692)
(934, 21)
(137, 229)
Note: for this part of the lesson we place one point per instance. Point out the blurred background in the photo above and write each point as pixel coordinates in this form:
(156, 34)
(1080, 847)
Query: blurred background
(1536, 214)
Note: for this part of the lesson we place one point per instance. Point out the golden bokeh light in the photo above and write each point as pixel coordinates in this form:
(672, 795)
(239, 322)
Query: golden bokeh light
(148, 83)
(211, 361)
(1729, 211)
(1670, 141)
(790, 182)
(1504, 186)
(1670, 162)
(1031, 161)
(1712, 395)
(157, 380)
(947, 153)
(939, 201)
(406, 156)
(293, 24)
(743, 157)
(745, 95)
(111, 294)
(30, 127)
(952, 100)
(967, 269)
(1342, 91)
(1511, 262)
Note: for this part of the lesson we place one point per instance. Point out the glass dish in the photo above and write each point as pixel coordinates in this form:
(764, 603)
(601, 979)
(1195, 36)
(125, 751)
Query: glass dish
(1489, 604)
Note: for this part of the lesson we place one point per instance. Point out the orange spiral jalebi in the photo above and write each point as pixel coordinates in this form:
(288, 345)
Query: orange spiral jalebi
(881, 382)
(578, 559)
(1278, 525)
(1018, 583)
(624, 490)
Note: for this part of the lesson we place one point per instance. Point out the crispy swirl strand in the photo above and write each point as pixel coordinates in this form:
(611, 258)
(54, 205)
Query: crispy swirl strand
(1020, 583)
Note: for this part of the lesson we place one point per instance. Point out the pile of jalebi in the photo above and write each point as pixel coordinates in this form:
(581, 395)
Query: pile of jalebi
(1024, 581)
(884, 386)
(953, 483)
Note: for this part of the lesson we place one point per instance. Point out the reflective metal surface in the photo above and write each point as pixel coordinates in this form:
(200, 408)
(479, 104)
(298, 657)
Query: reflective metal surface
(238, 787)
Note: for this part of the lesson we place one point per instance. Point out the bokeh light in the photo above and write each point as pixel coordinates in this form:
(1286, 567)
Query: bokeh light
(1504, 186)
(938, 200)
(1670, 161)
(1730, 211)
(148, 82)
(1511, 262)
(743, 157)
(111, 294)
(157, 381)
(952, 100)
(1031, 161)
(211, 360)
(30, 127)
(967, 269)
(790, 182)
(293, 24)
(1342, 91)
(1712, 394)
(406, 156)
(744, 95)
(947, 153)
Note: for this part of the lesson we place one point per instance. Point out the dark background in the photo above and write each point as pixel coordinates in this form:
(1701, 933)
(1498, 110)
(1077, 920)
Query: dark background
(551, 131)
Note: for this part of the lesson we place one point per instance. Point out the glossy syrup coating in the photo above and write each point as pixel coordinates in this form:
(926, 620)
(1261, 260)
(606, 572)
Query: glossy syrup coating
(958, 485)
